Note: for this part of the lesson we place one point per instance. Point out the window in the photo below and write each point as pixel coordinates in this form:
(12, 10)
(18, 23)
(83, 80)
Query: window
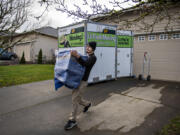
(163, 37)
(176, 36)
(141, 38)
(151, 37)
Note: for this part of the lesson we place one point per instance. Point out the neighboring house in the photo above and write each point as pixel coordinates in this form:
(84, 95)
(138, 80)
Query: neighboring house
(163, 45)
(44, 38)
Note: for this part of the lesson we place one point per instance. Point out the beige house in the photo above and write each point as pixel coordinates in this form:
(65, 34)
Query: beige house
(44, 38)
(162, 44)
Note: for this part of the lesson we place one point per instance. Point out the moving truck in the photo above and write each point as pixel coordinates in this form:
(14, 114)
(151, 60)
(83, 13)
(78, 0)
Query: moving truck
(114, 48)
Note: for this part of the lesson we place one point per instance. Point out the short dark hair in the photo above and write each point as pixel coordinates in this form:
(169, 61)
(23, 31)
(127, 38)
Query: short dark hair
(92, 44)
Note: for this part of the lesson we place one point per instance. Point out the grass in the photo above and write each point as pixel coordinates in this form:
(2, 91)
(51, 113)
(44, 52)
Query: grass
(173, 128)
(19, 74)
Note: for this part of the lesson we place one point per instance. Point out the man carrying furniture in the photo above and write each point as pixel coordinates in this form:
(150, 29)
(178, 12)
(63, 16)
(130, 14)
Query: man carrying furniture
(77, 98)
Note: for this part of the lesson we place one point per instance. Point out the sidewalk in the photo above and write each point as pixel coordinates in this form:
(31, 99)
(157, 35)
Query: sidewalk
(126, 106)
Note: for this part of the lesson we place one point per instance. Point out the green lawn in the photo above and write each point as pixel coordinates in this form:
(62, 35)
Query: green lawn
(19, 74)
(173, 128)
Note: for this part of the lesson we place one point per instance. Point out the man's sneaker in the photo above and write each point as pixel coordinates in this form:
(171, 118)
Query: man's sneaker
(86, 108)
(70, 124)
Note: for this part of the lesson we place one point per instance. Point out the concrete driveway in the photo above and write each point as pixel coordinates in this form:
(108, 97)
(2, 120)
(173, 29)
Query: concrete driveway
(126, 106)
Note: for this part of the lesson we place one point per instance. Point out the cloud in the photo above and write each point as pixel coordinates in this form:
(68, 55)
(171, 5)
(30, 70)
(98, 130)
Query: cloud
(52, 17)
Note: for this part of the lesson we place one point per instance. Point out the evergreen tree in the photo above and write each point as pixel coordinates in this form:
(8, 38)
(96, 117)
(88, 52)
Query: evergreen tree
(22, 61)
(40, 57)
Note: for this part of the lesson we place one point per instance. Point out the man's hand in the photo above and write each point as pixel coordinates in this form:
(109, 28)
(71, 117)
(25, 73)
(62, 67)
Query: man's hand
(75, 53)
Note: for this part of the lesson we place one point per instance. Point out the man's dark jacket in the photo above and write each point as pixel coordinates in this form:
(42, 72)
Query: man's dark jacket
(88, 64)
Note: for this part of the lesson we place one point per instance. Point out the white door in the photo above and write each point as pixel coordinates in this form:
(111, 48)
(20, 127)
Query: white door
(104, 69)
(108, 63)
(123, 62)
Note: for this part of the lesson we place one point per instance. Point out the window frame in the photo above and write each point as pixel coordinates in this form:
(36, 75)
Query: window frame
(149, 39)
(175, 37)
(140, 37)
(164, 35)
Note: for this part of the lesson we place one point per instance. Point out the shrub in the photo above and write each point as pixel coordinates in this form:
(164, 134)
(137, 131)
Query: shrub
(40, 57)
(22, 61)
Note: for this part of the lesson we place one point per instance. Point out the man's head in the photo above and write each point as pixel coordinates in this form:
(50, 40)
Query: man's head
(91, 47)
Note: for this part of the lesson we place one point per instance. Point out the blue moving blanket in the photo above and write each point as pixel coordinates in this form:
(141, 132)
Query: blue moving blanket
(68, 71)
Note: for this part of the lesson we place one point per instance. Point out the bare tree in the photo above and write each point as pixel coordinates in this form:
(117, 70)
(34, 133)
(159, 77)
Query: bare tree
(90, 9)
(13, 14)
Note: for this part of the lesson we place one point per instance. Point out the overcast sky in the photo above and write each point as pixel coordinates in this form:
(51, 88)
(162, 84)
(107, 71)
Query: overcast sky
(52, 17)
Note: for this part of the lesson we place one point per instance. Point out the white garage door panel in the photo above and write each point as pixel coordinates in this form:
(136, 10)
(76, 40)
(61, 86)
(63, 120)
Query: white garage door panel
(166, 76)
(26, 48)
(165, 59)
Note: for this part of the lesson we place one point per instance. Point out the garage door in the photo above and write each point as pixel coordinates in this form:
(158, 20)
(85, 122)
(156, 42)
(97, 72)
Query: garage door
(165, 56)
(19, 49)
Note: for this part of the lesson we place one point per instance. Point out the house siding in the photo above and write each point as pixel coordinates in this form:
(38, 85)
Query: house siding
(48, 46)
(165, 54)
(25, 46)
(31, 45)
